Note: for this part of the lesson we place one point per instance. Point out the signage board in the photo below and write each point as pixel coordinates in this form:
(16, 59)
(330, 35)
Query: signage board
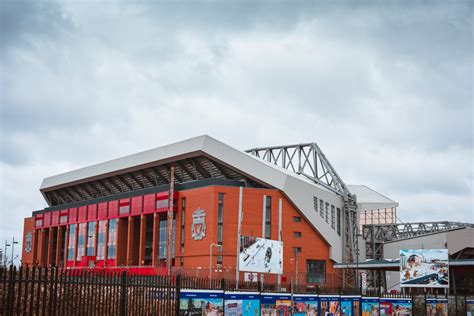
(329, 305)
(261, 255)
(424, 268)
(305, 305)
(436, 307)
(201, 302)
(395, 306)
(241, 303)
(370, 306)
(275, 303)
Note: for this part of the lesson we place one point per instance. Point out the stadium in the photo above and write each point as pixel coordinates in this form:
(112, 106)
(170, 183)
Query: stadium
(125, 214)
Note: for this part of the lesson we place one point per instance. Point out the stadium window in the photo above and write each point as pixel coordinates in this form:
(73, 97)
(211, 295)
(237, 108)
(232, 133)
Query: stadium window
(296, 250)
(124, 209)
(162, 203)
(297, 219)
(327, 213)
(338, 221)
(315, 204)
(316, 271)
(81, 239)
(333, 217)
(90, 239)
(71, 242)
(219, 259)
(183, 216)
(181, 261)
(297, 234)
(321, 208)
(39, 222)
(112, 241)
(63, 219)
(101, 241)
(163, 237)
(220, 218)
(268, 217)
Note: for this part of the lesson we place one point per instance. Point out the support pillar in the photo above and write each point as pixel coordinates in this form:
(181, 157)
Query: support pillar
(141, 256)
(59, 241)
(50, 259)
(156, 231)
(66, 245)
(131, 227)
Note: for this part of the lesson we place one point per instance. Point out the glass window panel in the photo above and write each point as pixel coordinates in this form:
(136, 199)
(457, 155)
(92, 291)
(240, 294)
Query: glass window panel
(71, 242)
(90, 238)
(112, 242)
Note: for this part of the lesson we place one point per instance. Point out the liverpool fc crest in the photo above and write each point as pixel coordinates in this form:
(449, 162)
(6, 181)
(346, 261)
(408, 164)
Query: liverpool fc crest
(28, 242)
(199, 224)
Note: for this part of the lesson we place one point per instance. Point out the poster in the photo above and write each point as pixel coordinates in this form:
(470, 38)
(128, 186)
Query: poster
(201, 303)
(436, 307)
(261, 255)
(424, 268)
(370, 306)
(241, 304)
(350, 305)
(395, 307)
(470, 307)
(275, 304)
(305, 305)
(329, 305)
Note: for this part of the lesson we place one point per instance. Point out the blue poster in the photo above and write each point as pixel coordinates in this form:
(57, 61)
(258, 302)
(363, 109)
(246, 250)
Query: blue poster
(370, 306)
(350, 305)
(470, 307)
(201, 303)
(436, 307)
(305, 304)
(395, 306)
(241, 304)
(329, 305)
(275, 304)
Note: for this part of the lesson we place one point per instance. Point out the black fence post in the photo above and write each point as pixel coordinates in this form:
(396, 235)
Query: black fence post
(123, 298)
(223, 285)
(177, 293)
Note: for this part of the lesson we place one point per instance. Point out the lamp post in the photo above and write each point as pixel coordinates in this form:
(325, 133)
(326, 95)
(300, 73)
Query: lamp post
(210, 261)
(5, 260)
(13, 247)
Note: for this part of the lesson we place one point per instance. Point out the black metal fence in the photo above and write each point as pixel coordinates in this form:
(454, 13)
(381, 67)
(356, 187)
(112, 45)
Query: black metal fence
(56, 291)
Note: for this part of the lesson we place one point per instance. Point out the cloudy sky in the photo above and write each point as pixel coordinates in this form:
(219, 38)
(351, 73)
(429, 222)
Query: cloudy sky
(386, 90)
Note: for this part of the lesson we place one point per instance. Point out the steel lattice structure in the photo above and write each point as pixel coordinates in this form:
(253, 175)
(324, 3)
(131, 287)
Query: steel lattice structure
(309, 161)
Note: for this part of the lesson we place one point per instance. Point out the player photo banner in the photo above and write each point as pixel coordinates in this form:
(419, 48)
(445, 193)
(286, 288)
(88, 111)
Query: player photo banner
(470, 307)
(261, 255)
(424, 268)
(436, 307)
(201, 302)
(395, 307)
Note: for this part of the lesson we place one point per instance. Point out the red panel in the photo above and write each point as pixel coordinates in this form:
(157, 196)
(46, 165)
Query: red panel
(137, 203)
(102, 211)
(63, 212)
(55, 218)
(39, 220)
(124, 202)
(149, 203)
(82, 216)
(162, 195)
(113, 209)
(92, 212)
(47, 219)
(73, 215)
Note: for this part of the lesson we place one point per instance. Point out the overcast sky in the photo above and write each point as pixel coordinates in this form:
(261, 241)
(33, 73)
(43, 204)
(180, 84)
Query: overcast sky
(385, 89)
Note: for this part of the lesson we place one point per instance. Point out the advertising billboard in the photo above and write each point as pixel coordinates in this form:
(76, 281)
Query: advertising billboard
(329, 305)
(424, 268)
(350, 305)
(370, 306)
(470, 307)
(261, 255)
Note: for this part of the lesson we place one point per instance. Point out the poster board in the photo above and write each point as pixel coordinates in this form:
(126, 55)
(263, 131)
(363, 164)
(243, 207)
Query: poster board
(261, 255)
(201, 302)
(350, 305)
(329, 305)
(305, 305)
(395, 307)
(370, 306)
(470, 307)
(241, 304)
(424, 268)
(436, 307)
(275, 304)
